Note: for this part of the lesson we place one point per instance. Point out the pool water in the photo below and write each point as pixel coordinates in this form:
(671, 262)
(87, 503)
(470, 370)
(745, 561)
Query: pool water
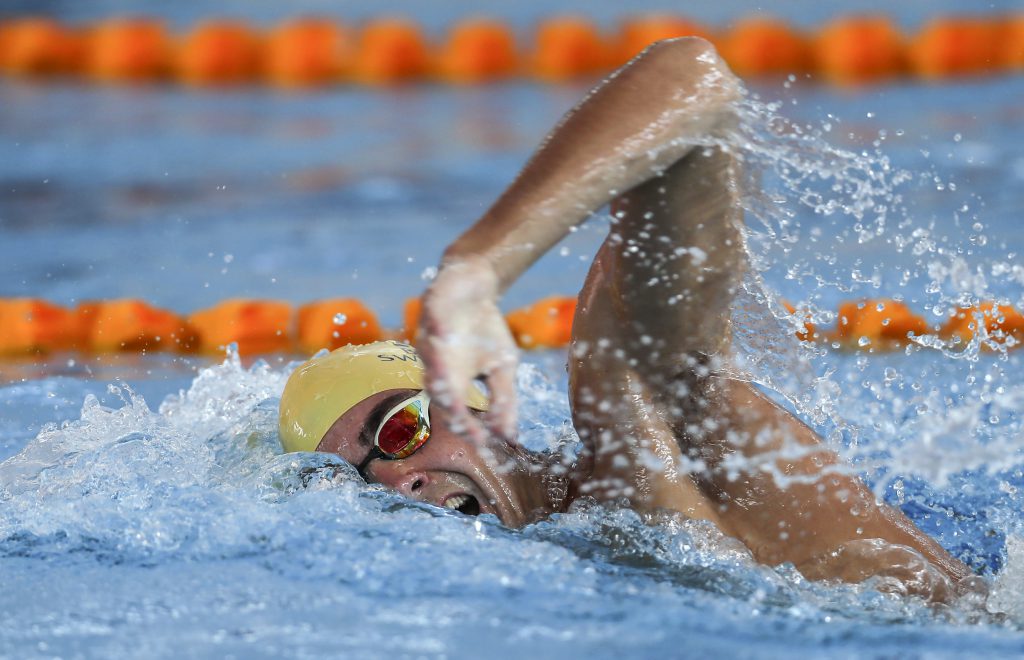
(146, 509)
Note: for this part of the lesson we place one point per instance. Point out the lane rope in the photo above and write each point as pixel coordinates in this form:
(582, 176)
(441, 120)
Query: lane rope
(35, 326)
(311, 52)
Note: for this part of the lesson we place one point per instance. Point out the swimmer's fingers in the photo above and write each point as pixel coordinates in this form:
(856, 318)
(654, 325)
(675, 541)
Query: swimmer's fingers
(503, 411)
(448, 384)
(498, 357)
(455, 360)
(464, 336)
(442, 371)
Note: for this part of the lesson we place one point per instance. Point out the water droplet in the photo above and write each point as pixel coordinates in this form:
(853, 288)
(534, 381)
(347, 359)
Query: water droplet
(340, 319)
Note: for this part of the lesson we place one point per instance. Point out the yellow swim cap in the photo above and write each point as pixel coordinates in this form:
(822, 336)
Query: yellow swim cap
(324, 388)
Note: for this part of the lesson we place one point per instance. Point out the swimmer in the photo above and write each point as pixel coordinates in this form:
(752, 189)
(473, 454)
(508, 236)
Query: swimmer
(662, 425)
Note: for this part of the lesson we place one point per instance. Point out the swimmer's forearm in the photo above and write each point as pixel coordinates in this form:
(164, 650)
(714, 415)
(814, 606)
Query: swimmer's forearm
(798, 503)
(639, 122)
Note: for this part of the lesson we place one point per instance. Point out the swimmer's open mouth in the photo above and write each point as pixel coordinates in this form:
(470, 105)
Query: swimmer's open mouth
(466, 504)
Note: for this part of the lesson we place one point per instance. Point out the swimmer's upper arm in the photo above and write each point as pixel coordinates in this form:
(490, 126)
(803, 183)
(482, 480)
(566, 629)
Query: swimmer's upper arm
(663, 283)
(658, 296)
(645, 117)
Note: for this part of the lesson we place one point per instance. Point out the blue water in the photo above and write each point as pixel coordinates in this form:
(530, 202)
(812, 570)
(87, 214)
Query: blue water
(146, 510)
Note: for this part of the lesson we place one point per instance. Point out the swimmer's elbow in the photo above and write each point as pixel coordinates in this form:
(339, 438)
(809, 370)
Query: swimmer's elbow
(681, 48)
(693, 58)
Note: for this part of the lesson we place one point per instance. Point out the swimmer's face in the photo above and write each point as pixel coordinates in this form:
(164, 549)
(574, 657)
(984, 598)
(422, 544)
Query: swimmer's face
(447, 470)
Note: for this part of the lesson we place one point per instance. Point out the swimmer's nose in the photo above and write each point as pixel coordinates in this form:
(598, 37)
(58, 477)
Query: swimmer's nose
(406, 482)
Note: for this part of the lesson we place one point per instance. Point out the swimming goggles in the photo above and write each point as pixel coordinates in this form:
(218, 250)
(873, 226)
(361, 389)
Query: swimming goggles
(403, 429)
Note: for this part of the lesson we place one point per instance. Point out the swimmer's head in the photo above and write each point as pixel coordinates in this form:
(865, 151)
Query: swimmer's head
(326, 387)
(339, 402)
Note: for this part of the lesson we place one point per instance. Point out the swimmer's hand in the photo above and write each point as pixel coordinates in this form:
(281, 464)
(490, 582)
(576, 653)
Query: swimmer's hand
(893, 568)
(464, 336)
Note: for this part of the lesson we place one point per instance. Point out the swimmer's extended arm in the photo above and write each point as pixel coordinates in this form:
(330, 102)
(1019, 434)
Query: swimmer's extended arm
(638, 123)
(790, 498)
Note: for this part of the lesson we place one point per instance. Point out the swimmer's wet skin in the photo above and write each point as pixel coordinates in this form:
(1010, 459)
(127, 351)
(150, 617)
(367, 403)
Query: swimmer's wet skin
(650, 338)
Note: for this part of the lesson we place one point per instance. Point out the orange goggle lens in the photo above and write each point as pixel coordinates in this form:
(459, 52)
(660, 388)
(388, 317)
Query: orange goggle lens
(405, 428)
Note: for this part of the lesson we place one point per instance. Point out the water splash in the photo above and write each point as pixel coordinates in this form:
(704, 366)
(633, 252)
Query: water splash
(809, 201)
(198, 495)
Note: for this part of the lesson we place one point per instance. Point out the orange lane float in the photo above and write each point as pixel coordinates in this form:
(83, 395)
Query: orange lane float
(567, 48)
(257, 326)
(1011, 43)
(109, 326)
(38, 47)
(390, 51)
(30, 325)
(319, 51)
(478, 50)
(334, 323)
(639, 33)
(545, 324)
(764, 46)
(307, 52)
(219, 53)
(1000, 321)
(128, 50)
(411, 311)
(859, 49)
(878, 323)
(948, 47)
